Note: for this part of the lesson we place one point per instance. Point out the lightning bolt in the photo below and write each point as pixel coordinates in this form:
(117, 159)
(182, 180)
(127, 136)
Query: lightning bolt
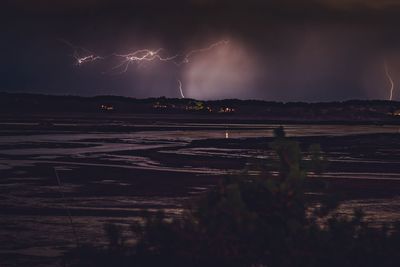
(180, 88)
(140, 55)
(81, 54)
(187, 57)
(86, 59)
(152, 55)
(390, 80)
(148, 55)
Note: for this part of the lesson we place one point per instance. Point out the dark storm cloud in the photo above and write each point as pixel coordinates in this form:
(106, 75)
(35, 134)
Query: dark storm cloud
(301, 50)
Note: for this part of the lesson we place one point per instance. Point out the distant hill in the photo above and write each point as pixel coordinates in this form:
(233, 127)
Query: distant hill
(352, 111)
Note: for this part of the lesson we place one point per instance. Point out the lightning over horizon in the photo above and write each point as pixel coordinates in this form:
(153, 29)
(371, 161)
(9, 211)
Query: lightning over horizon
(186, 59)
(180, 88)
(83, 56)
(152, 55)
(390, 80)
(308, 50)
(140, 55)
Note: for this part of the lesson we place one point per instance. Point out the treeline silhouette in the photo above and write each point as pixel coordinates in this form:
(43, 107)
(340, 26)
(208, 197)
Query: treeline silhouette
(257, 219)
(354, 110)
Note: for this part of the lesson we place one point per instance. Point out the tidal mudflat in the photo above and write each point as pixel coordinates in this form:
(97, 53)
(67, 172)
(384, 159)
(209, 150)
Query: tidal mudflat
(110, 170)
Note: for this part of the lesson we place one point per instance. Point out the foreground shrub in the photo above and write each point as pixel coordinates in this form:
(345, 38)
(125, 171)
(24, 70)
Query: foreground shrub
(252, 220)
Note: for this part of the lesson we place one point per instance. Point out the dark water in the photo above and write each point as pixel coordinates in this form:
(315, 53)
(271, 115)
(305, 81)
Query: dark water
(110, 176)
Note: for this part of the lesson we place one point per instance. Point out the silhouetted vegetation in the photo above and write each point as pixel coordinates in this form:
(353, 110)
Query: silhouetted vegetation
(373, 111)
(258, 219)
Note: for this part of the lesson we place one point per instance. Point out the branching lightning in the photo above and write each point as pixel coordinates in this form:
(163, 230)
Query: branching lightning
(187, 57)
(85, 59)
(140, 55)
(390, 80)
(152, 55)
(147, 55)
(83, 56)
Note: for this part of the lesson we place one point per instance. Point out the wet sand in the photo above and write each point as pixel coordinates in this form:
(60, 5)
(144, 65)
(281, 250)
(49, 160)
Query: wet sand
(110, 173)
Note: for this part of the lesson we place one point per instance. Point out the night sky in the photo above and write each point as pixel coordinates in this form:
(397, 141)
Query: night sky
(322, 50)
